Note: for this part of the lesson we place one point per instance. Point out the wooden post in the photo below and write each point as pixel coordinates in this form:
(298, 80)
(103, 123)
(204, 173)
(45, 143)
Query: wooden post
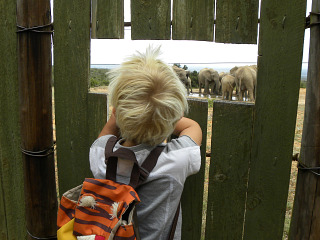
(231, 143)
(35, 73)
(305, 223)
(192, 196)
(278, 81)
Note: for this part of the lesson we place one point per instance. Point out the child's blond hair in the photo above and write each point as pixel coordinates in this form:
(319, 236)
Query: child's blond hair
(148, 97)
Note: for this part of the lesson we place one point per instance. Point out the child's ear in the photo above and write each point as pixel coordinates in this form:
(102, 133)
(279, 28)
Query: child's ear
(113, 111)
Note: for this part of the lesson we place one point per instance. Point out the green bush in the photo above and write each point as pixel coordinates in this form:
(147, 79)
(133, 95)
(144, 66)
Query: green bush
(98, 77)
(303, 84)
(194, 79)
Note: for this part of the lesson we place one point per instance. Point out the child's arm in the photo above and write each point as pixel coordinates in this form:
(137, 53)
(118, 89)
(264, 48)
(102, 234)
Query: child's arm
(110, 127)
(186, 126)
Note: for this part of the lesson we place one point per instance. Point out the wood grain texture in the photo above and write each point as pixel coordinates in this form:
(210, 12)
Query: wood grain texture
(35, 73)
(150, 19)
(192, 197)
(107, 19)
(193, 20)
(279, 68)
(71, 71)
(229, 166)
(12, 209)
(237, 21)
(98, 112)
(305, 222)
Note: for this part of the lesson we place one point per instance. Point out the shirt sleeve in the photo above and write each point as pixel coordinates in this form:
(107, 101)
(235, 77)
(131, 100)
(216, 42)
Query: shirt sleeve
(97, 157)
(186, 148)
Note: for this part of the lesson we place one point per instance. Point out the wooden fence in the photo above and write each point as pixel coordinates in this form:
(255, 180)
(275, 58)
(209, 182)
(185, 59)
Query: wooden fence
(251, 144)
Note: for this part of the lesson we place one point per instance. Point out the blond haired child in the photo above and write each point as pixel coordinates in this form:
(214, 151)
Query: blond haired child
(149, 102)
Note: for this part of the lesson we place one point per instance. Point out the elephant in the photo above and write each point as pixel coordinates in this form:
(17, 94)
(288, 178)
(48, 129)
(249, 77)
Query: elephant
(246, 80)
(228, 83)
(183, 75)
(208, 76)
(221, 75)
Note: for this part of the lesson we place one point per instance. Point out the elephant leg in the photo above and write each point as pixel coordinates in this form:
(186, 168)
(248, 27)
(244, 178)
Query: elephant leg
(213, 88)
(250, 95)
(240, 95)
(230, 95)
(206, 87)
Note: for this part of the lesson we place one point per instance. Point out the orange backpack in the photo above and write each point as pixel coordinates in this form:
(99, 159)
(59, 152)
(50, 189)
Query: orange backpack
(103, 209)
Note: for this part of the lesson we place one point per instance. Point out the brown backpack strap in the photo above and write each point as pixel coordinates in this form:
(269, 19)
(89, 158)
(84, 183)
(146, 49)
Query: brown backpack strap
(149, 163)
(111, 160)
(138, 174)
(174, 223)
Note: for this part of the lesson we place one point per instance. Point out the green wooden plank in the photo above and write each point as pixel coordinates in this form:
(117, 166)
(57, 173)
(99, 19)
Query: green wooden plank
(107, 19)
(193, 20)
(3, 214)
(192, 197)
(229, 165)
(12, 208)
(280, 50)
(237, 21)
(71, 71)
(150, 19)
(97, 113)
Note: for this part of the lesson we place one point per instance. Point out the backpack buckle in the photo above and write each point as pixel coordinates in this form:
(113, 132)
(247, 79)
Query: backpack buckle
(144, 174)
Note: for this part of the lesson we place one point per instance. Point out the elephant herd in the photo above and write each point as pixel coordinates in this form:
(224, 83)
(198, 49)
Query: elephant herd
(242, 79)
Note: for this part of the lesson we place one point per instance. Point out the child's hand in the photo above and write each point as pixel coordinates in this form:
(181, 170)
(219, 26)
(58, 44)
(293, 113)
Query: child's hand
(111, 126)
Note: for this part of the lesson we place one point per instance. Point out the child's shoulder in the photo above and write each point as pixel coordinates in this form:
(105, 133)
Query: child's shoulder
(181, 142)
(101, 141)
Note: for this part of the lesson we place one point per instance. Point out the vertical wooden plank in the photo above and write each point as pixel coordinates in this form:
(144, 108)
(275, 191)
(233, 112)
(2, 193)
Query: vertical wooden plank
(305, 221)
(107, 19)
(97, 114)
(12, 208)
(237, 21)
(193, 20)
(71, 71)
(192, 196)
(229, 165)
(279, 64)
(150, 19)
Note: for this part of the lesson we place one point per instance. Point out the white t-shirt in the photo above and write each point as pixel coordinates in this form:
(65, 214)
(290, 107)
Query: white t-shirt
(161, 192)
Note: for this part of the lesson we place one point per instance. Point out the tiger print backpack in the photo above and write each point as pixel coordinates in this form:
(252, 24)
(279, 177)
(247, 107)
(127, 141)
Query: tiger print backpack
(103, 209)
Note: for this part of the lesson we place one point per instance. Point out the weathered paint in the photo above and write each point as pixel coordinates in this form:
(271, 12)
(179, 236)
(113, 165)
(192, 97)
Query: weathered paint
(279, 67)
(71, 74)
(237, 21)
(150, 19)
(193, 20)
(107, 19)
(229, 166)
(12, 208)
(192, 197)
